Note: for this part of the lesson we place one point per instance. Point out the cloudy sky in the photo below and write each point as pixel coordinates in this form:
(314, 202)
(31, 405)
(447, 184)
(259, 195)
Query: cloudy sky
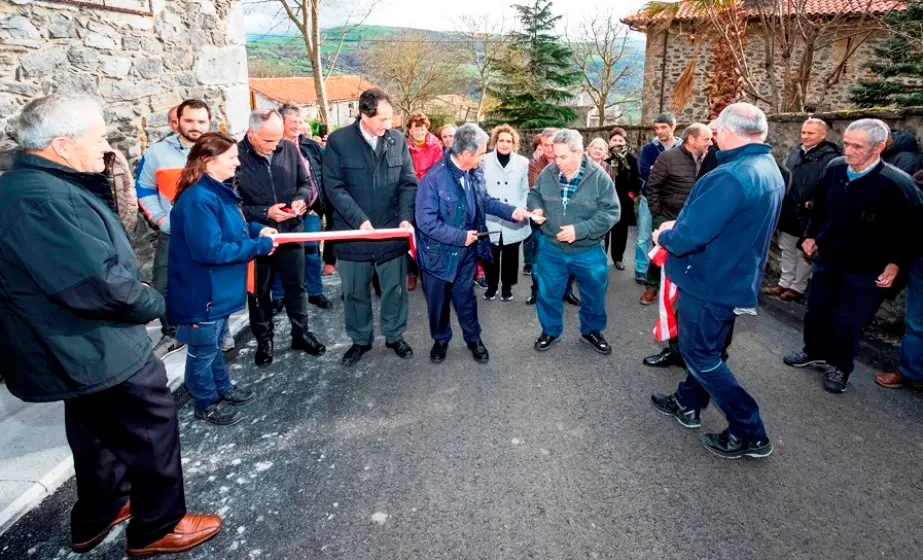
(264, 16)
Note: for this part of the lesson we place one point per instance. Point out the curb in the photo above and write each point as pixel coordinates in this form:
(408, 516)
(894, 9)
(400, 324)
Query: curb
(48, 484)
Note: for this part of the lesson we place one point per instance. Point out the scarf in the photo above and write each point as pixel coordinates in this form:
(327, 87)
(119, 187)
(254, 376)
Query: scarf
(618, 159)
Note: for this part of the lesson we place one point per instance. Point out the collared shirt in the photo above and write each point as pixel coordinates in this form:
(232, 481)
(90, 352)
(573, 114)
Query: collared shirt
(370, 138)
(569, 187)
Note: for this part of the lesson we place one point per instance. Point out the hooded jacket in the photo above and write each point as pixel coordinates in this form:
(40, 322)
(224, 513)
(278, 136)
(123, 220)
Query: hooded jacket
(904, 153)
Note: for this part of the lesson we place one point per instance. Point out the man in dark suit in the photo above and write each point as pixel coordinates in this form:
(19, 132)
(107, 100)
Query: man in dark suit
(370, 183)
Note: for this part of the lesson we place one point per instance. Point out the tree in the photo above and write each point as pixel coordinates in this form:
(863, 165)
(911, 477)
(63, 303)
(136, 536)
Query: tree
(601, 48)
(781, 36)
(487, 44)
(897, 64)
(537, 78)
(304, 16)
(414, 70)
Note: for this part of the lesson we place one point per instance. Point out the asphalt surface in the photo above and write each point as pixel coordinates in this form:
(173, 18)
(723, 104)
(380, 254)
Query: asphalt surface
(554, 455)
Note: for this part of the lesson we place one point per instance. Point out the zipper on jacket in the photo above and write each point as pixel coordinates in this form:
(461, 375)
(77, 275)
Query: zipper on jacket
(272, 183)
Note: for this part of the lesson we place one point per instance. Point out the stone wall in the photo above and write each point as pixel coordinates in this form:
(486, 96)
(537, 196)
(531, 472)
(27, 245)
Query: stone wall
(139, 66)
(684, 41)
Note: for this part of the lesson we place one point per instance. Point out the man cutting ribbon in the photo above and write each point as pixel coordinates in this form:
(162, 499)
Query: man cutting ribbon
(717, 255)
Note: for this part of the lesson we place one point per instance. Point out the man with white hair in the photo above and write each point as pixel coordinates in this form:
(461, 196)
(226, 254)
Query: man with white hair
(72, 328)
(717, 255)
(578, 200)
(861, 233)
(451, 210)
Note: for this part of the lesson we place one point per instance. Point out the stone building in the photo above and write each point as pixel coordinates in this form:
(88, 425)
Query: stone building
(674, 39)
(140, 57)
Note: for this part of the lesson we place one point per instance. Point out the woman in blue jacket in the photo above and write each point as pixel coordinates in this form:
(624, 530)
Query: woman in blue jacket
(210, 246)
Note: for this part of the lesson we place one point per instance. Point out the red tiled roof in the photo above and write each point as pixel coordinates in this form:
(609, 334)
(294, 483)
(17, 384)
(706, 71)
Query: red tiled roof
(687, 10)
(300, 91)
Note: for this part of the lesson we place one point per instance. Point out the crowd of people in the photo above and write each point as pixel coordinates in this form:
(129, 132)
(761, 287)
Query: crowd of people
(713, 198)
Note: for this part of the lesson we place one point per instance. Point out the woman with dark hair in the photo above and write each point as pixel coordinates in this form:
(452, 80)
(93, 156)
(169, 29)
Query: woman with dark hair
(623, 168)
(210, 246)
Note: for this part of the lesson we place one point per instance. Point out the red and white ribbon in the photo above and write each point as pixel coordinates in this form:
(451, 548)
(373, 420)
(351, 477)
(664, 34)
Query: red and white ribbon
(665, 328)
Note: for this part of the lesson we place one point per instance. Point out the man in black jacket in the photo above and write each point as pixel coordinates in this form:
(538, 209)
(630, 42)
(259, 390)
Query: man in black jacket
(805, 163)
(370, 182)
(903, 152)
(276, 192)
(671, 179)
(861, 233)
(73, 311)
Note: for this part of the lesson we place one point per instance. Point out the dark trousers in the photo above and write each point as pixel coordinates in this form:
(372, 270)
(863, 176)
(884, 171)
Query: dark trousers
(839, 305)
(617, 240)
(460, 294)
(653, 271)
(159, 274)
(504, 268)
(357, 277)
(287, 262)
(125, 442)
(703, 329)
(412, 268)
(329, 258)
(674, 342)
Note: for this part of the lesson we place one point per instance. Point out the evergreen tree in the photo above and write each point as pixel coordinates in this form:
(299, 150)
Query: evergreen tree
(897, 64)
(537, 77)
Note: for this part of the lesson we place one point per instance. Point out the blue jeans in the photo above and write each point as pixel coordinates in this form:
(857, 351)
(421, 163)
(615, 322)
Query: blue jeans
(206, 377)
(313, 283)
(645, 227)
(552, 269)
(703, 331)
(911, 363)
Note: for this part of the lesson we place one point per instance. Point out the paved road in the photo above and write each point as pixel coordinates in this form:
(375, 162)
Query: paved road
(546, 456)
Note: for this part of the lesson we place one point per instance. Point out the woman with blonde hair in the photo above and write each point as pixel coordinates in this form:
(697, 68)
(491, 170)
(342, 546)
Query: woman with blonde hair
(598, 150)
(210, 246)
(506, 176)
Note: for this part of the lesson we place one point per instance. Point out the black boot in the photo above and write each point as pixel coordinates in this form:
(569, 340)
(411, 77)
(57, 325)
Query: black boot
(264, 352)
(309, 344)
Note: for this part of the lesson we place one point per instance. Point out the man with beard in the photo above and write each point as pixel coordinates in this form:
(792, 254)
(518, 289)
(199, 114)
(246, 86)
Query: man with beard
(158, 177)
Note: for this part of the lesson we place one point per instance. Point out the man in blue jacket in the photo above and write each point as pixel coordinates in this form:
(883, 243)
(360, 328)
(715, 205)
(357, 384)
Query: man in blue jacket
(451, 208)
(717, 256)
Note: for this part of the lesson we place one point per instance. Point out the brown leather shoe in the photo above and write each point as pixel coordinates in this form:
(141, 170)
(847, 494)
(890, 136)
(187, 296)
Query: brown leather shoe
(774, 291)
(411, 283)
(791, 295)
(191, 531)
(649, 296)
(896, 380)
(122, 516)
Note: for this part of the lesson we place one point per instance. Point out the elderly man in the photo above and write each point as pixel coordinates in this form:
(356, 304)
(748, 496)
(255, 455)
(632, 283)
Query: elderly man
(721, 238)
(805, 163)
(276, 191)
(861, 233)
(73, 329)
(578, 200)
(370, 182)
(668, 184)
(452, 205)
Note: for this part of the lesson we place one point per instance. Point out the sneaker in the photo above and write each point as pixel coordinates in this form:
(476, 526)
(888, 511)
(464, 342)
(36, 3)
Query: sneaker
(238, 396)
(728, 446)
(619, 265)
(527, 270)
(800, 360)
(507, 297)
(481, 283)
(530, 300)
(545, 341)
(835, 380)
(228, 344)
(220, 415)
(167, 345)
(490, 294)
(329, 270)
(667, 404)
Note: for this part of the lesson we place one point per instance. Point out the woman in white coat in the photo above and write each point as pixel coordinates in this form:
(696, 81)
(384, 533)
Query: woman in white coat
(506, 176)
